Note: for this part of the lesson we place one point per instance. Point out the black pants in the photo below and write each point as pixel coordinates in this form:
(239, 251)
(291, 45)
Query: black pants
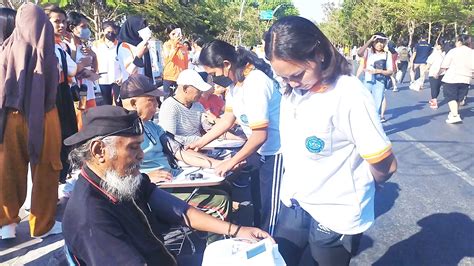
(265, 175)
(296, 229)
(106, 91)
(403, 66)
(435, 85)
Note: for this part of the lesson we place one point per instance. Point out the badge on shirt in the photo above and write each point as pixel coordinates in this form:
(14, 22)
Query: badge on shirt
(244, 119)
(314, 144)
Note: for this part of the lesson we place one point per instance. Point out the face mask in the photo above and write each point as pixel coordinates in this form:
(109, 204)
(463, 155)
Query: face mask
(145, 33)
(222, 81)
(85, 34)
(111, 36)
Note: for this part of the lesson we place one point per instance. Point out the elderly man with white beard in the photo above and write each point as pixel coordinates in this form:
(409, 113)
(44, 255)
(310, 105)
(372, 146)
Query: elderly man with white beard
(115, 215)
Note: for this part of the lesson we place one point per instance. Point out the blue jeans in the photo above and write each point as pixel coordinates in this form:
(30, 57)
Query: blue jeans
(377, 89)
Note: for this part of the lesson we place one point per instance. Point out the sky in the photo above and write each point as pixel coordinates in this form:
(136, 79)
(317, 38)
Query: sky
(311, 9)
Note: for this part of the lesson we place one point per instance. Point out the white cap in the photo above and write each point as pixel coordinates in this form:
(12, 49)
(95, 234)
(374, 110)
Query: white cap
(191, 77)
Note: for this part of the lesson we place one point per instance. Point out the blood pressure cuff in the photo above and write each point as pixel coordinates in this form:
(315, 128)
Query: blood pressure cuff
(166, 207)
(171, 147)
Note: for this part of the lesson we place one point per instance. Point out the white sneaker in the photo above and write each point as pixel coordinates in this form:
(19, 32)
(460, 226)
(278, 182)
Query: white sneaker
(56, 229)
(452, 119)
(8, 231)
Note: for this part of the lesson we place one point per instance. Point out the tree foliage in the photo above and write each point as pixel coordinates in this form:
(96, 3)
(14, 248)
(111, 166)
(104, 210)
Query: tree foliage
(206, 18)
(355, 21)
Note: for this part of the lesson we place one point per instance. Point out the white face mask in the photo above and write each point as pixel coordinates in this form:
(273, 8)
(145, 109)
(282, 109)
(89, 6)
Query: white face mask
(145, 33)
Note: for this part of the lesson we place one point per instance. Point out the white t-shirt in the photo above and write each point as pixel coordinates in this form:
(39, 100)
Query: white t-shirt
(460, 65)
(328, 139)
(106, 58)
(71, 65)
(126, 54)
(434, 60)
(256, 104)
(374, 57)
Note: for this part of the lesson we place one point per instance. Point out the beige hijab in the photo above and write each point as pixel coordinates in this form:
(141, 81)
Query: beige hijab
(29, 74)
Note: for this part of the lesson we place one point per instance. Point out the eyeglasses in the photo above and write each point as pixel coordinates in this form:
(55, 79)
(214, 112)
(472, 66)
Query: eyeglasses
(136, 129)
(380, 40)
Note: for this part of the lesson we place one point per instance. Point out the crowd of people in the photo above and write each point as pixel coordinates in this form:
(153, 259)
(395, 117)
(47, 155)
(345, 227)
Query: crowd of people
(314, 144)
(383, 66)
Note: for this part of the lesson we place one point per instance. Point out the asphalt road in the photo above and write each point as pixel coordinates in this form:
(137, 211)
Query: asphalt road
(424, 213)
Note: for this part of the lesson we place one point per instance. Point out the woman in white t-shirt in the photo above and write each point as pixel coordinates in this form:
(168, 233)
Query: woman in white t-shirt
(459, 66)
(253, 101)
(108, 66)
(435, 75)
(378, 67)
(333, 143)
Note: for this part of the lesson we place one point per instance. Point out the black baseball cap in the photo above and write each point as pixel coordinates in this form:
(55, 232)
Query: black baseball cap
(106, 120)
(138, 85)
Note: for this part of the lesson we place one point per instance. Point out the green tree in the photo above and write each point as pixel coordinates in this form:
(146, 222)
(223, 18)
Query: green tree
(96, 11)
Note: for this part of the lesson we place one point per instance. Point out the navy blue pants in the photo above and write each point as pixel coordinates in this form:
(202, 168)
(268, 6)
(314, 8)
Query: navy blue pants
(296, 229)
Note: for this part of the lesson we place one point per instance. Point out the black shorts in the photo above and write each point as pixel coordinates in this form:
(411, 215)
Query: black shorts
(455, 92)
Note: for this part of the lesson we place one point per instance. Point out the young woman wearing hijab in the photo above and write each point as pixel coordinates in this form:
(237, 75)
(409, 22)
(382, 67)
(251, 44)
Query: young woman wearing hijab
(334, 146)
(175, 57)
(253, 101)
(133, 55)
(32, 133)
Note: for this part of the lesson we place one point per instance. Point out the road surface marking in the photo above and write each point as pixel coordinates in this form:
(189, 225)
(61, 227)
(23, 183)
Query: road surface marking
(26, 244)
(438, 158)
(32, 254)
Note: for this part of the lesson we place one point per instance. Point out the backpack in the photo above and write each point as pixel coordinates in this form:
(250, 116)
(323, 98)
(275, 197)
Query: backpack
(403, 54)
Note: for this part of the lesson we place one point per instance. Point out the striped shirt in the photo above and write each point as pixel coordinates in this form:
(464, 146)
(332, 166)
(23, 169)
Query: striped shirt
(181, 121)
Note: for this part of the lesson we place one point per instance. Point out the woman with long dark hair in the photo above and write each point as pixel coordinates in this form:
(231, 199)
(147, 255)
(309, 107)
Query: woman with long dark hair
(253, 101)
(333, 143)
(378, 68)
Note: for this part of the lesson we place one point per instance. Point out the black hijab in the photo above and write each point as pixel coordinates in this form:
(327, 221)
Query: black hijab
(129, 34)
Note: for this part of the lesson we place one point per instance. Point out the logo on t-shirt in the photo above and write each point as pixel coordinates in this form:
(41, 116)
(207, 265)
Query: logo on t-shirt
(314, 144)
(244, 119)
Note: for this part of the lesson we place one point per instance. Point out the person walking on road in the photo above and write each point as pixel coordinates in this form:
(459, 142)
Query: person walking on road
(403, 59)
(459, 66)
(331, 166)
(435, 74)
(418, 61)
(378, 68)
